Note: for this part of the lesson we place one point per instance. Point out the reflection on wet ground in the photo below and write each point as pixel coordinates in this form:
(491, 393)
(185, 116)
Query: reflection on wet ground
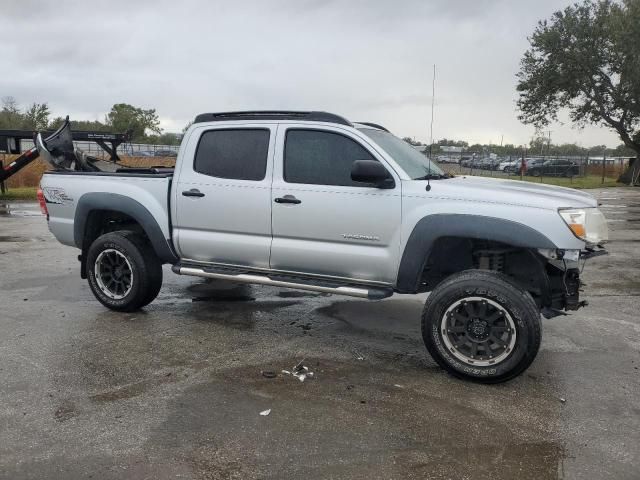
(175, 390)
(16, 209)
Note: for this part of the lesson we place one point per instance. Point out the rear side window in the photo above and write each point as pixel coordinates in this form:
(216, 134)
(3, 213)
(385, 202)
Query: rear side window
(321, 158)
(239, 154)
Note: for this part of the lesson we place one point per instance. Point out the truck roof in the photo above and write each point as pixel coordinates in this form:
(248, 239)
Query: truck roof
(312, 116)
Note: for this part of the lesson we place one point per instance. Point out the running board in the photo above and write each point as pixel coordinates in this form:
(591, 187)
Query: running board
(282, 280)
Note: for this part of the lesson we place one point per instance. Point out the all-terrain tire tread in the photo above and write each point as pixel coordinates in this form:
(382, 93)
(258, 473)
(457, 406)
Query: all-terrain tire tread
(483, 281)
(148, 268)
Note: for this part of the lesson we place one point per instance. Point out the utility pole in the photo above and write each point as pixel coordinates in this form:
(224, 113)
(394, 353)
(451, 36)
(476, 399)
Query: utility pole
(2, 187)
(548, 143)
(604, 161)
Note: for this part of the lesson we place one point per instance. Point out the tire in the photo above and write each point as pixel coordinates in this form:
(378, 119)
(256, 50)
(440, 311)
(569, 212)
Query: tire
(123, 271)
(504, 324)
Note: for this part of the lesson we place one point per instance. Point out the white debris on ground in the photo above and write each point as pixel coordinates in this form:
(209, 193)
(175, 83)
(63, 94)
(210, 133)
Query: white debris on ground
(300, 371)
(264, 413)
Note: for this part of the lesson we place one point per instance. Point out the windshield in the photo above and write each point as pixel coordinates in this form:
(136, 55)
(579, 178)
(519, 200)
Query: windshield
(414, 163)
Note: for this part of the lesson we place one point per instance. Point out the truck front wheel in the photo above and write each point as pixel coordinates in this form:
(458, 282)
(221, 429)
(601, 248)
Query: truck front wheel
(481, 325)
(123, 271)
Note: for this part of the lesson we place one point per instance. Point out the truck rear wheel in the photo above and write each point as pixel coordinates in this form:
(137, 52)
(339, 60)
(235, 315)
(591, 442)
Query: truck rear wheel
(481, 325)
(123, 271)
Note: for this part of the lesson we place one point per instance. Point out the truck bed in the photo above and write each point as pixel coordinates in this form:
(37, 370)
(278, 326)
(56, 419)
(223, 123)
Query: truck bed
(155, 172)
(64, 191)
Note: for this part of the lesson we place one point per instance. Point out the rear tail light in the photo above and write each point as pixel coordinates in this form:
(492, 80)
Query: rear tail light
(43, 203)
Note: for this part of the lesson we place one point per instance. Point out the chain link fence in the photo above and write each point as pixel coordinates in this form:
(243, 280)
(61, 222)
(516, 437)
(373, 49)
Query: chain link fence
(534, 168)
(124, 149)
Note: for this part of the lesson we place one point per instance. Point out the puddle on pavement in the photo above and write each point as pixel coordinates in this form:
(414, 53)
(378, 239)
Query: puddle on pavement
(418, 430)
(220, 291)
(298, 294)
(241, 316)
(220, 297)
(15, 238)
(20, 210)
(132, 390)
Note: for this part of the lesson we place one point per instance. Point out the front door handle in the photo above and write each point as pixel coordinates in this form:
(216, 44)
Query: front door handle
(288, 199)
(194, 192)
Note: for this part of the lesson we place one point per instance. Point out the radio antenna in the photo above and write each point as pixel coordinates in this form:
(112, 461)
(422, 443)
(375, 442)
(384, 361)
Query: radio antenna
(433, 97)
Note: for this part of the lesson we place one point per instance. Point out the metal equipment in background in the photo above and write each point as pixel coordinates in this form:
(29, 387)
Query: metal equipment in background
(61, 153)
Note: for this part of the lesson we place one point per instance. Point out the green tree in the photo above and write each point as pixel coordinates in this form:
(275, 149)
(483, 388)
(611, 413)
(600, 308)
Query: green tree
(36, 117)
(412, 141)
(452, 143)
(10, 115)
(585, 59)
(124, 117)
(80, 125)
(622, 151)
(166, 138)
(477, 148)
(539, 144)
(568, 149)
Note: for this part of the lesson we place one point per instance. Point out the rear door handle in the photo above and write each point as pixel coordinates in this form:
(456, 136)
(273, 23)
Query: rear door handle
(194, 192)
(288, 199)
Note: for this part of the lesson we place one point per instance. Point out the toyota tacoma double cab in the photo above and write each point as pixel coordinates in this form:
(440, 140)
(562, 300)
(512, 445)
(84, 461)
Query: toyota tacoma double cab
(312, 201)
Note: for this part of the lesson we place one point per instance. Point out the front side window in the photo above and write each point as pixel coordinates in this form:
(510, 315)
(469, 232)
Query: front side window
(239, 154)
(321, 158)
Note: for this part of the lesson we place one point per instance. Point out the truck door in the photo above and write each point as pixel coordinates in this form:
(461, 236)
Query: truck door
(222, 195)
(323, 222)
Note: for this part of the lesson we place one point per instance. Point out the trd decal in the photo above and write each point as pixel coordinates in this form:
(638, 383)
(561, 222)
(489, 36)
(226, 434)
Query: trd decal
(56, 195)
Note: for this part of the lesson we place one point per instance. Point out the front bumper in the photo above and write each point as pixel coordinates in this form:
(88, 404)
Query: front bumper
(565, 285)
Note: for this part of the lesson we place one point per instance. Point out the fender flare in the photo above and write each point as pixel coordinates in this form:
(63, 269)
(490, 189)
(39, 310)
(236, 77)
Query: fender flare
(119, 203)
(432, 227)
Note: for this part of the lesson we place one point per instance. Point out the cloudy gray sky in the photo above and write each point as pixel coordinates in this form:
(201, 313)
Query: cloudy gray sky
(369, 60)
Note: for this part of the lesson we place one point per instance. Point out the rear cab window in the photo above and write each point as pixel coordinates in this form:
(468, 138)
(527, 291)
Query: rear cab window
(238, 154)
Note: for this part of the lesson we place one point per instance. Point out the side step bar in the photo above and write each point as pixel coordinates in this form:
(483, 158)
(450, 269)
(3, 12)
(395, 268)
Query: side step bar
(282, 280)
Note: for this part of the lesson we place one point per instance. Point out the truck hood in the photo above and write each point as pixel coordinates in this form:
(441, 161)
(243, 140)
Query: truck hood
(511, 192)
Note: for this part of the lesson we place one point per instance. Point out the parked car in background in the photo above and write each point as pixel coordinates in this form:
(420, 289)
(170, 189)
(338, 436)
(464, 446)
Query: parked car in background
(555, 168)
(533, 162)
(165, 153)
(142, 153)
(485, 163)
(508, 165)
(447, 159)
(495, 162)
(472, 162)
(513, 167)
(466, 161)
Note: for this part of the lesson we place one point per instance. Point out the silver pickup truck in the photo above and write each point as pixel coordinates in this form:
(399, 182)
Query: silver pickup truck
(309, 200)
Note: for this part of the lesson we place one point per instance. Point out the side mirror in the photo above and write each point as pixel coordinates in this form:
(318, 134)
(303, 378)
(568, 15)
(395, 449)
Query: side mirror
(371, 171)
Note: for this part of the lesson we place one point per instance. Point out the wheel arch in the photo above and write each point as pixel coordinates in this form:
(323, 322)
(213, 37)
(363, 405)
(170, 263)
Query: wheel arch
(432, 229)
(91, 209)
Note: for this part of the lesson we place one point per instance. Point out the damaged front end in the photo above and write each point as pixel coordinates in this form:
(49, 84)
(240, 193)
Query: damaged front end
(563, 272)
(565, 266)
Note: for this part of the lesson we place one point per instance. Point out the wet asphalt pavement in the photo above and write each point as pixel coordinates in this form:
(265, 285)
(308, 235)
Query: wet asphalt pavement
(175, 391)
